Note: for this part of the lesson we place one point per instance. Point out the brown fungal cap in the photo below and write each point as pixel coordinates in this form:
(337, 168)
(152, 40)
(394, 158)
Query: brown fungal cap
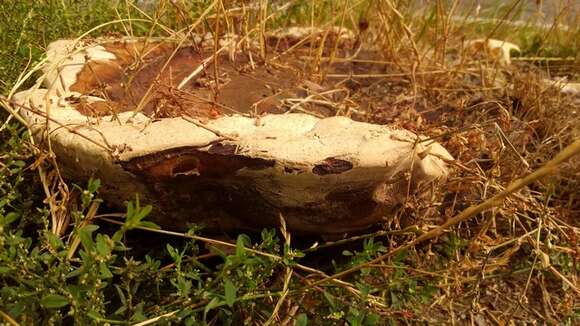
(154, 78)
(146, 77)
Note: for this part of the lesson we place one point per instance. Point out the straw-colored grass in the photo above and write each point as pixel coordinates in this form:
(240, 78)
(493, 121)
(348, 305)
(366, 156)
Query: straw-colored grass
(497, 245)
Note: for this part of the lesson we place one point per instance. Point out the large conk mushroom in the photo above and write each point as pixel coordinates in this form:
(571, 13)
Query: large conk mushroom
(220, 141)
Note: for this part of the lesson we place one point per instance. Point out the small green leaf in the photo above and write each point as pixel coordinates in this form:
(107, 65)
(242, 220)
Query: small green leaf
(130, 209)
(400, 256)
(19, 164)
(138, 315)
(93, 185)
(151, 225)
(354, 317)
(103, 247)
(330, 299)
(184, 313)
(3, 202)
(86, 236)
(135, 214)
(183, 285)
(215, 302)
(301, 320)
(121, 295)
(372, 319)
(94, 315)
(73, 273)
(144, 212)
(241, 244)
(54, 241)
(76, 291)
(363, 288)
(104, 270)
(230, 293)
(117, 236)
(10, 217)
(175, 255)
(53, 301)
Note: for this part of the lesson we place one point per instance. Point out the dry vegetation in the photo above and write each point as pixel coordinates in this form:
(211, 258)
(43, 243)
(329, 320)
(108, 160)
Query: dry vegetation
(489, 248)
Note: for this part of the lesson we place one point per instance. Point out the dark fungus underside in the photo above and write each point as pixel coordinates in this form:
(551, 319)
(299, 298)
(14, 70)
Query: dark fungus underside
(191, 185)
(220, 161)
(332, 165)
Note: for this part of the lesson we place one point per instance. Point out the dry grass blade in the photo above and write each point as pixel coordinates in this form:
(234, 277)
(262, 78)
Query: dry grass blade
(58, 212)
(503, 19)
(8, 319)
(567, 153)
(45, 115)
(287, 276)
(87, 220)
(145, 96)
(156, 319)
(200, 68)
(206, 127)
(13, 113)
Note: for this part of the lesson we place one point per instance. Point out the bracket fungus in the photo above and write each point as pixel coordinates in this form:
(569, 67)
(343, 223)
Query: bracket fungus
(221, 142)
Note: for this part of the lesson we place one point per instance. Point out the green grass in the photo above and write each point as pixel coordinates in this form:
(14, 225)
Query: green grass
(28, 26)
(102, 273)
